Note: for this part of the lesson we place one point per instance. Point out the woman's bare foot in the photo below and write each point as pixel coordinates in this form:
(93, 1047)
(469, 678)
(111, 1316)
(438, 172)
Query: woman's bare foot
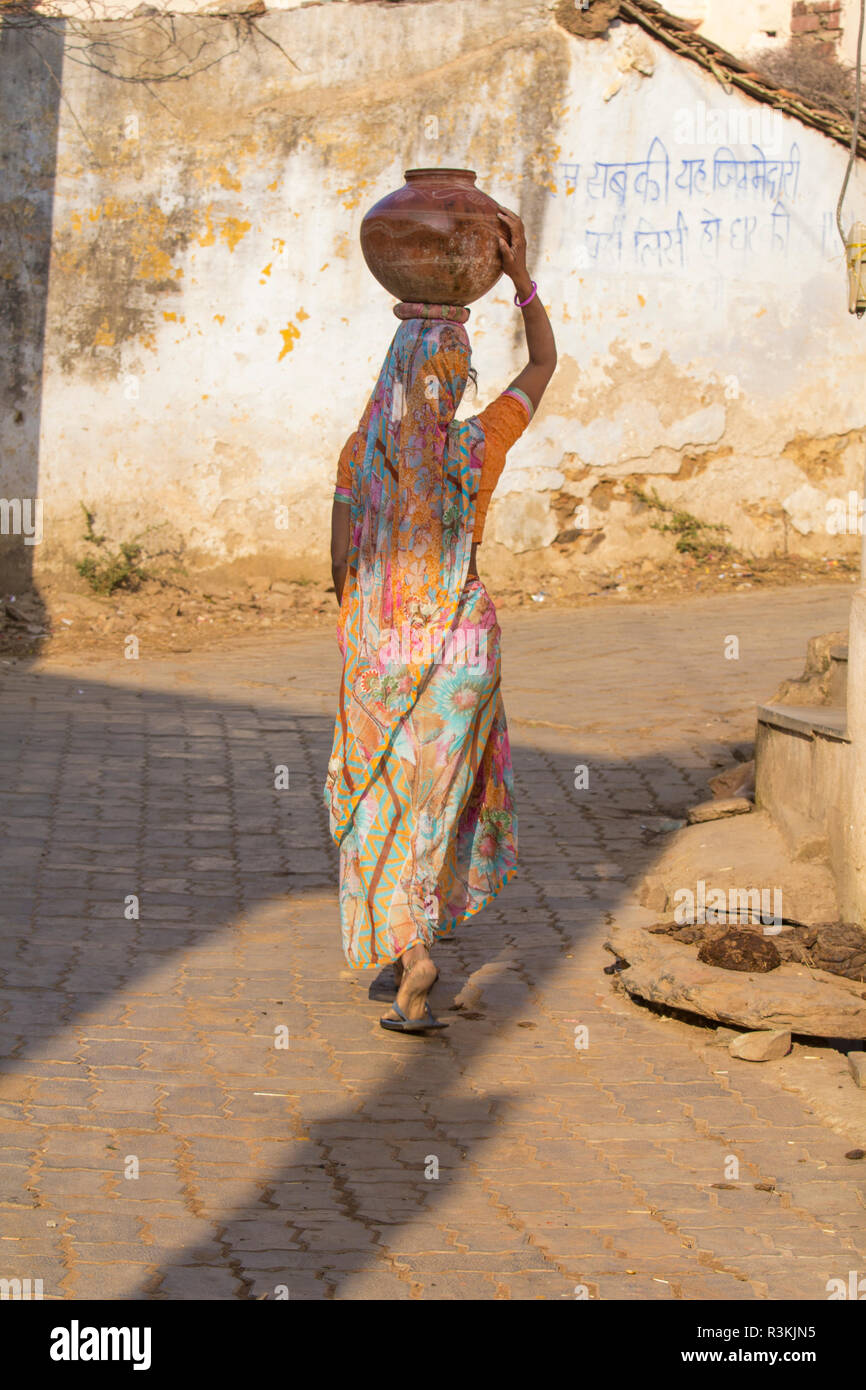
(416, 977)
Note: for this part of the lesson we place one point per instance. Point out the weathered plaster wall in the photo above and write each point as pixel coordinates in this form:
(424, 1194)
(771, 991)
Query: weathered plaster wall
(737, 27)
(211, 331)
(752, 25)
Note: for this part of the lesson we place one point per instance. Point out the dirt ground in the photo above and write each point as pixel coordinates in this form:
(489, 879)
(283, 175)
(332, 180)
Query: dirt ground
(192, 614)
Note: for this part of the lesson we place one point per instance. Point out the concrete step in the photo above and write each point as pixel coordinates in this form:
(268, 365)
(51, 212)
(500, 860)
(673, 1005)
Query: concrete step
(826, 721)
(837, 688)
(802, 772)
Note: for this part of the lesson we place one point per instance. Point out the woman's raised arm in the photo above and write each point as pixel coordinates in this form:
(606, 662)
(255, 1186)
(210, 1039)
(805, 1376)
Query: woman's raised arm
(540, 342)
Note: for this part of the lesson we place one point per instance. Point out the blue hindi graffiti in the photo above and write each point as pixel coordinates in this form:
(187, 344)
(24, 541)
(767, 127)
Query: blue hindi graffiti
(660, 210)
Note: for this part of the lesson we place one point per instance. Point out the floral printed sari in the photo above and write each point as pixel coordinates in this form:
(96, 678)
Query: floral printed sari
(419, 786)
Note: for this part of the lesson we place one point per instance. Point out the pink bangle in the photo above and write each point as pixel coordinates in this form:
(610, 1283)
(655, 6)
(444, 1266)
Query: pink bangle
(522, 303)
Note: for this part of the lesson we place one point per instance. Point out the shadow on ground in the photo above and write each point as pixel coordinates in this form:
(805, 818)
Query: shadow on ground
(114, 791)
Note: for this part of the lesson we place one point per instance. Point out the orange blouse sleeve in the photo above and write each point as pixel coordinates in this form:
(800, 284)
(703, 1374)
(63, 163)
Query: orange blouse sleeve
(503, 423)
(343, 489)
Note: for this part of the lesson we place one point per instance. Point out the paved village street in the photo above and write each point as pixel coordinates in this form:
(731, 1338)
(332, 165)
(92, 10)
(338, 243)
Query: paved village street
(157, 1139)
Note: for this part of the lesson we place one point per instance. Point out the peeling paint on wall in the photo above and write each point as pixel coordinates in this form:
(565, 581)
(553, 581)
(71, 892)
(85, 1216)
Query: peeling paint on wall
(211, 333)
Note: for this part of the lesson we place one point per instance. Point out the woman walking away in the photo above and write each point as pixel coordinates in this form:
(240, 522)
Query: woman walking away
(419, 787)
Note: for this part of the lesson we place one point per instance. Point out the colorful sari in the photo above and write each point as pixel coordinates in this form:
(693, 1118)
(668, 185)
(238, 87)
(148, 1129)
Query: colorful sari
(419, 786)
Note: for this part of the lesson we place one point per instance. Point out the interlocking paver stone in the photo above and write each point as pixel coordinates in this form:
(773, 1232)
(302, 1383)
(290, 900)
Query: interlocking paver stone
(262, 1169)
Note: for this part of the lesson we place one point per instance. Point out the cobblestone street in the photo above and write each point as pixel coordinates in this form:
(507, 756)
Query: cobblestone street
(158, 1142)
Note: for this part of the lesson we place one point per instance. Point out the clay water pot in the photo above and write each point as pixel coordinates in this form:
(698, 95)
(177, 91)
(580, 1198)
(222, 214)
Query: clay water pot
(434, 241)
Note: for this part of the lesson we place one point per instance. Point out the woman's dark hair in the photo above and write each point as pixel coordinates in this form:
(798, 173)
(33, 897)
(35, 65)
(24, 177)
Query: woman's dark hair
(473, 377)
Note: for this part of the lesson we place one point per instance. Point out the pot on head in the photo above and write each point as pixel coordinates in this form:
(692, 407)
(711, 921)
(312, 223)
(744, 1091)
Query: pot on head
(435, 240)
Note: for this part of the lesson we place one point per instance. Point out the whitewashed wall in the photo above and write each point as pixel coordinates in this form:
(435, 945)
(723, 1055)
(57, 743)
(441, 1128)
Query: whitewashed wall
(211, 331)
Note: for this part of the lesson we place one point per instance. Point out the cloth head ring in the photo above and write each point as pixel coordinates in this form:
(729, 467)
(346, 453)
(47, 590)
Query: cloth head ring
(454, 313)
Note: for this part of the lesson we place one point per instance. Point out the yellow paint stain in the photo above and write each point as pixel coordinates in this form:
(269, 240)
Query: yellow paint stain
(205, 397)
(104, 336)
(153, 263)
(64, 262)
(207, 237)
(278, 245)
(641, 301)
(220, 318)
(324, 267)
(225, 180)
(355, 194)
(169, 316)
(207, 172)
(272, 187)
(301, 315)
(265, 273)
(145, 229)
(289, 336)
(233, 231)
(760, 312)
(76, 222)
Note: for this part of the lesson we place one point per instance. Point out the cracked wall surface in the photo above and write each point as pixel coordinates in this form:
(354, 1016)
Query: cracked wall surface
(210, 333)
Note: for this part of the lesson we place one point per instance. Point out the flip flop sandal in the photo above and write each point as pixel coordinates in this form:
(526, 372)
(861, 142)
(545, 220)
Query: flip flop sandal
(411, 1025)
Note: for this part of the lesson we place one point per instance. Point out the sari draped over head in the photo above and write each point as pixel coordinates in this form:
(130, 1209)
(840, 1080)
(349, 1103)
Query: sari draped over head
(420, 758)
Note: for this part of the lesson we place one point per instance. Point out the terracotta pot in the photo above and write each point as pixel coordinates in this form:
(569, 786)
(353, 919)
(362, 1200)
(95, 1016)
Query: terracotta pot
(434, 241)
